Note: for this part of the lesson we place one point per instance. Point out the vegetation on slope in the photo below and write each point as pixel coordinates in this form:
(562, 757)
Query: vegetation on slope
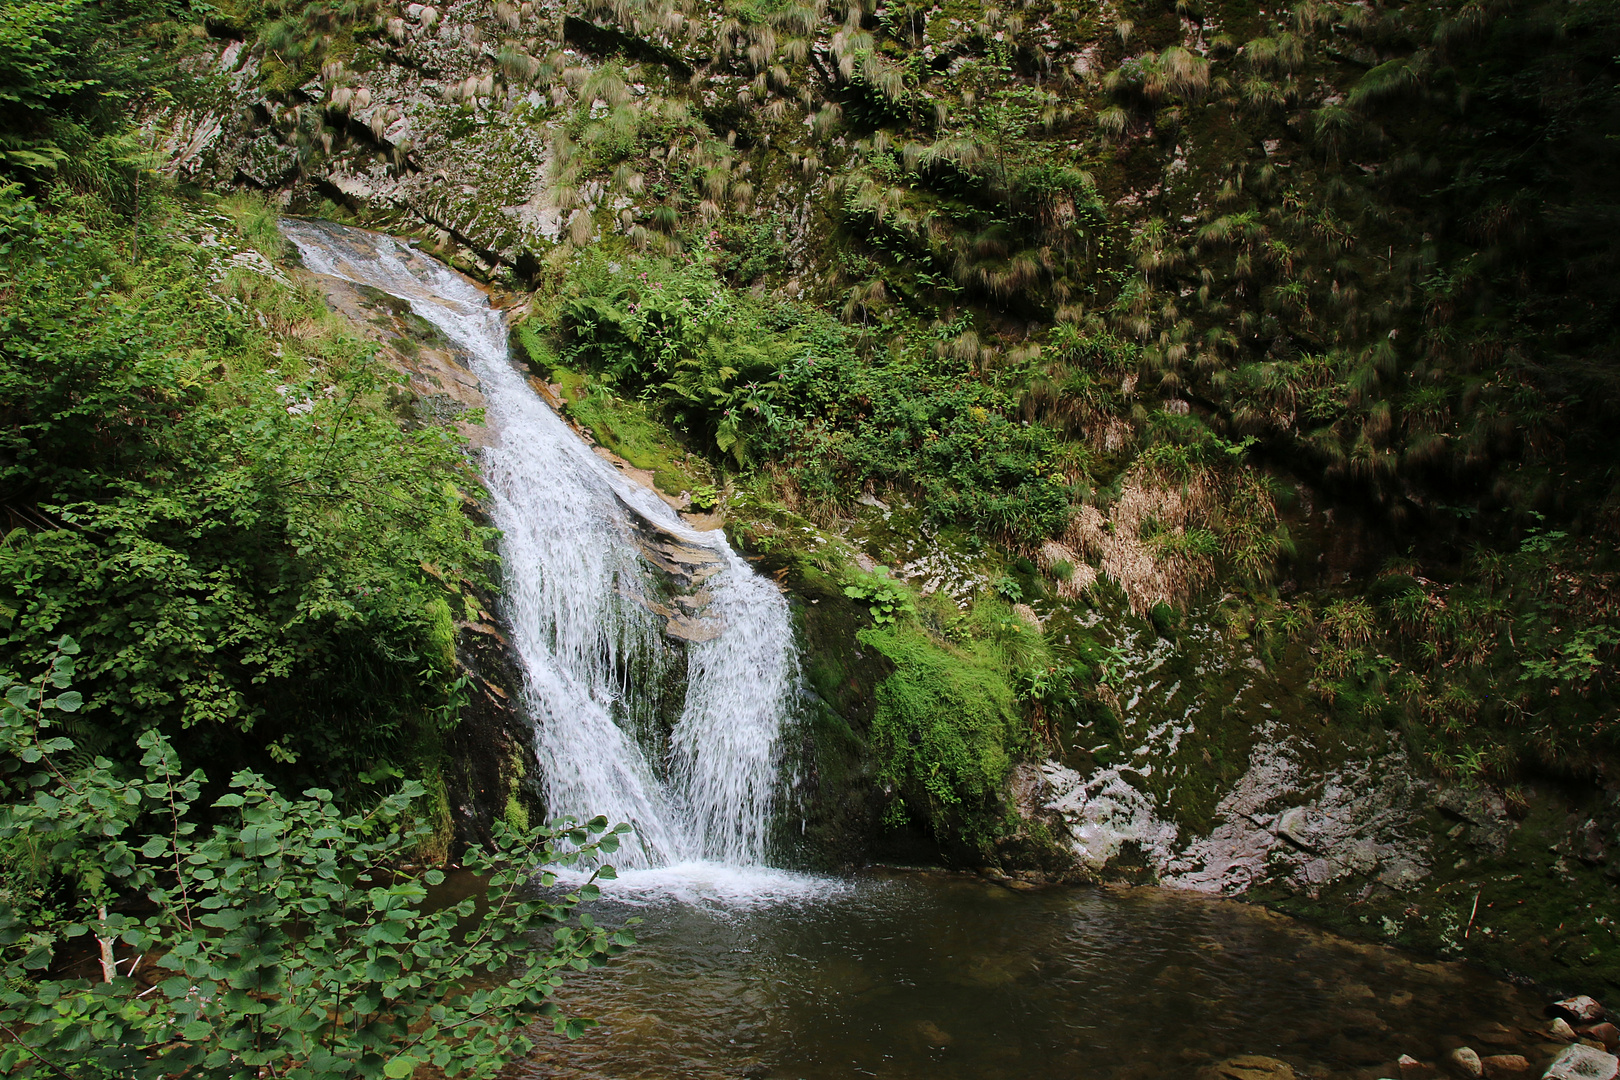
(209, 481)
(208, 488)
(281, 940)
(1137, 291)
(230, 557)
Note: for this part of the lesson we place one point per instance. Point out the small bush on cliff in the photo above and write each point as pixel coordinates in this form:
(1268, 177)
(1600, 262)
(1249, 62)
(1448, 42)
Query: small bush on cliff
(757, 381)
(70, 72)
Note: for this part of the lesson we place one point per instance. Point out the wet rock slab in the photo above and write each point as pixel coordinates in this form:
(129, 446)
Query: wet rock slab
(1579, 1062)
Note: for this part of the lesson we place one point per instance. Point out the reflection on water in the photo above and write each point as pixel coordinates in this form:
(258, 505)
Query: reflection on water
(914, 975)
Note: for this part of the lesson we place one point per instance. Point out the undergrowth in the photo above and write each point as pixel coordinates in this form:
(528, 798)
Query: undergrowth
(207, 484)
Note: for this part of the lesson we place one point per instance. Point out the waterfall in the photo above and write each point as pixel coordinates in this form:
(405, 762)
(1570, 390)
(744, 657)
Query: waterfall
(587, 557)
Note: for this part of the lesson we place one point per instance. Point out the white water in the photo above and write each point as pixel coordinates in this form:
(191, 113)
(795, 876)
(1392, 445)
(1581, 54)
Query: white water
(592, 654)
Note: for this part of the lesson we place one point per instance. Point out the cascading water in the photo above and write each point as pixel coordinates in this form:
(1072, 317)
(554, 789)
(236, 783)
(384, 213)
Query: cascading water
(580, 598)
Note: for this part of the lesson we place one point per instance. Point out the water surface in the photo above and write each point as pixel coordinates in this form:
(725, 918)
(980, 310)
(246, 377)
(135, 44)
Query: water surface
(910, 975)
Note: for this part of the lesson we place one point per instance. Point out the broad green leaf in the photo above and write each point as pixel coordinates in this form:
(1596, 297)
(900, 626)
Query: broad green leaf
(400, 1067)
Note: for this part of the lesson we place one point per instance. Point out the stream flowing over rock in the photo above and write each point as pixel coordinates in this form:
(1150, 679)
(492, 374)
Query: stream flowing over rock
(660, 668)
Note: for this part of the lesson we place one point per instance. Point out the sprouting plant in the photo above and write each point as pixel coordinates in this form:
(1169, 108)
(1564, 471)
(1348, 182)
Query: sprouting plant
(1053, 683)
(887, 598)
(1045, 688)
(1349, 622)
(1469, 761)
(1111, 666)
(1577, 662)
(1009, 589)
(1541, 541)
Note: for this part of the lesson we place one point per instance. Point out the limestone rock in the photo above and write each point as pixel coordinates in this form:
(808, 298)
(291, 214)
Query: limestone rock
(1294, 825)
(1290, 825)
(1248, 1067)
(685, 628)
(268, 162)
(1560, 1029)
(1465, 1063)
(1607, 1034)
(1484, 811)
(1583, 1063)
(1577, 1010)
(1506, 1067)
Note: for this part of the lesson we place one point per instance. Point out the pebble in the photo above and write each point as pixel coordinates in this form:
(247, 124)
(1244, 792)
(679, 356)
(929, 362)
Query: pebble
(1561, 1030)
(1248, 1067)
(1607, 1034)
(1583, 1063)
(1465, 1063)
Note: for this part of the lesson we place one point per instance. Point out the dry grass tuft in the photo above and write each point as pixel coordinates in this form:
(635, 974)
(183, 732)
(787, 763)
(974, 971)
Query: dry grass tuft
(1116, 543)
(1081, 577)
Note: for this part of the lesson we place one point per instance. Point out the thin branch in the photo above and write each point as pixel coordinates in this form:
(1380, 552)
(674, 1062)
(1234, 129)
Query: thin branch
(47, 1062)
(179, 873)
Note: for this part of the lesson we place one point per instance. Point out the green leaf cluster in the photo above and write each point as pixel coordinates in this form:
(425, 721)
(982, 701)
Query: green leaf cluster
(208, 485)
(887, 599)
(70, 70)
(282, 939)
(756, 382)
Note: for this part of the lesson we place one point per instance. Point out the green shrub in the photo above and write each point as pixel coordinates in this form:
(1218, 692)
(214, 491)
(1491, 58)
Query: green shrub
(280, 940)
(888, 600)
(756, 381)
(252, 547)
(70, 73)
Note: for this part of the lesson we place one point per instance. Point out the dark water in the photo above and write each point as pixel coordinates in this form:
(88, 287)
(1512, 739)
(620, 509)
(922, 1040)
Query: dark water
(939, 976)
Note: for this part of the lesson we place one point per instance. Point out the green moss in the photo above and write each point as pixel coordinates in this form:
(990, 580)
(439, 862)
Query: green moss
(516, 811)
(434, 806)
(628, 428)
(442, 629)
(945, 730)
(516, 814)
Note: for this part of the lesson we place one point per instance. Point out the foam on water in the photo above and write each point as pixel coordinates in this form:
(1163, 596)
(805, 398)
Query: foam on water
(716, 886)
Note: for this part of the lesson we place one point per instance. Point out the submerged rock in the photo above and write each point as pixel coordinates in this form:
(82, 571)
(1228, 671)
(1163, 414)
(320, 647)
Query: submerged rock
(1248, 1067)
(1577, 1010)
(1505, 1066)
(1579, 1062)
(1465, 1063)
(1413, 1069)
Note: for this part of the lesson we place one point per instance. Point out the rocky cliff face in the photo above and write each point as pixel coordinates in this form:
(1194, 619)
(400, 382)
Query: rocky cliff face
(1146, 222)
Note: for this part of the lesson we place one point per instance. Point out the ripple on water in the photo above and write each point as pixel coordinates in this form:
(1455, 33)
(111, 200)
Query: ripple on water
(947, 977)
